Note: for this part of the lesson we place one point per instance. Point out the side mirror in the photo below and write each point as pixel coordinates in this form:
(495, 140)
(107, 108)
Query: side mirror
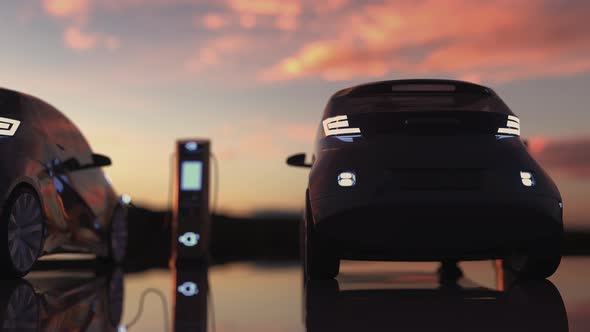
(298, 160)
(99, 160)
(71, 164)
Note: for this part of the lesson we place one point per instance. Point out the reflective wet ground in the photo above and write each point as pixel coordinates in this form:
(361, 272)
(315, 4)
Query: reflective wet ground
(367, 296)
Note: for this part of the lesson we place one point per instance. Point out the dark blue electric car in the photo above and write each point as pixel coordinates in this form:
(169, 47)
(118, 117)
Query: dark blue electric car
(54, 196)
(420, 170)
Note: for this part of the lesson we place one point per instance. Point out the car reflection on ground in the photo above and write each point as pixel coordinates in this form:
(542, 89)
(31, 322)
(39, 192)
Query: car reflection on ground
(55, 301)
(423, 302)
(374, 300)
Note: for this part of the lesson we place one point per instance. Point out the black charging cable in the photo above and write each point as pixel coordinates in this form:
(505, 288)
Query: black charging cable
(137, 316)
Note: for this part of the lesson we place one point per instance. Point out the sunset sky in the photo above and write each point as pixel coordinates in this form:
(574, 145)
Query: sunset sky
(254, 76)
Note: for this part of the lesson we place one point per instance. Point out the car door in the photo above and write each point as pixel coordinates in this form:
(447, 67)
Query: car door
(78, 217)
(91, 185)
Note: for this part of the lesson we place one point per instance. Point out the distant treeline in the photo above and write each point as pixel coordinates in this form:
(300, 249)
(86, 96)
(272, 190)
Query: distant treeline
(235, 239)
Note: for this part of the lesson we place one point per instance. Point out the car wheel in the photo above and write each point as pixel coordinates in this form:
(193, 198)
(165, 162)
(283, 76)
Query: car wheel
(536, 305)
(118, 236)
(21, 236)
(21, 310)
(319, 261)
(115, 297)
(535, 266)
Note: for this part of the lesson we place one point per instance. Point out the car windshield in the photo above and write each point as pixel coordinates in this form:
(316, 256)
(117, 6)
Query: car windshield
(417, 102)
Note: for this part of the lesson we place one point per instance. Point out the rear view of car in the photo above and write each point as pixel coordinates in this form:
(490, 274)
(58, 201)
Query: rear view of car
(420, 170)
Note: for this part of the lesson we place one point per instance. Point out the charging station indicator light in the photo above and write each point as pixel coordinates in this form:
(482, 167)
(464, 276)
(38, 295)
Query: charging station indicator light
(191, 146)
(189, 239)
(188, 289)
(191, 177)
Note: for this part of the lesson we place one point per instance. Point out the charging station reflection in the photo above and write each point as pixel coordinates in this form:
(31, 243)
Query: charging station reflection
(420, 302)
(190, 294)
(62, 302)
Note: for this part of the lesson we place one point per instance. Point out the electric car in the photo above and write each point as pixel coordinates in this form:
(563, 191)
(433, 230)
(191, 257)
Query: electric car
(76, 301)
(426, 170)
(55, 197)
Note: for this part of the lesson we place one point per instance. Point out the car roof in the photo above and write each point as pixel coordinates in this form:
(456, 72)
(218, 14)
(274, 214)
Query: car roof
(414, 86)
(415, 95)
(8, 93)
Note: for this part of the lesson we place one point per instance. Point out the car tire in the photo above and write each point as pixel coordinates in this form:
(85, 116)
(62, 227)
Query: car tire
(319, 261)
(538, 304)
(115, 297)
(118, 237)
(21, 233)
(537, 266)
(20, 309)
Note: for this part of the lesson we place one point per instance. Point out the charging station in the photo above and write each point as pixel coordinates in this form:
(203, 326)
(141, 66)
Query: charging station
(191, 222)
(191, 300)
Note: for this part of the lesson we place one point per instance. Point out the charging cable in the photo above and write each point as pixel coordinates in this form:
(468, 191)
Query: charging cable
(125, 328)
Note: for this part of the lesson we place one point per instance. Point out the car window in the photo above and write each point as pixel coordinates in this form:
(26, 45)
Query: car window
(417, 102)
(63, 134)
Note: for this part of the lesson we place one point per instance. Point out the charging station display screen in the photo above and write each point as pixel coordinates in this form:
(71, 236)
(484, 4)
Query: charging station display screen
(191, 176)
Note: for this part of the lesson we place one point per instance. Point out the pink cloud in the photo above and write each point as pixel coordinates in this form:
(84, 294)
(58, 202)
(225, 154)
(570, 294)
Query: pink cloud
(218, 51)
(67, 8)
(75, 39)
(498, 40)
(267, 7)
(285, 12)
(326, 6)
(247, 21)
(214, 21)
(78, 40)
(493, 40)
(568, 156)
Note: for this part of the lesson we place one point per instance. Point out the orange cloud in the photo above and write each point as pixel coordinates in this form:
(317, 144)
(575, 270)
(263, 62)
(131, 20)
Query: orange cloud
(67, 8)
(214, 21)
(493, 40)
(285, 12)
(78, 40)
(267, 7)
(327, 5)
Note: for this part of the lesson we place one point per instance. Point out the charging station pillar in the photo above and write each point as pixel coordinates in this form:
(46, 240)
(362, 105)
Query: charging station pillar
(191, 222)
(190, 296)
